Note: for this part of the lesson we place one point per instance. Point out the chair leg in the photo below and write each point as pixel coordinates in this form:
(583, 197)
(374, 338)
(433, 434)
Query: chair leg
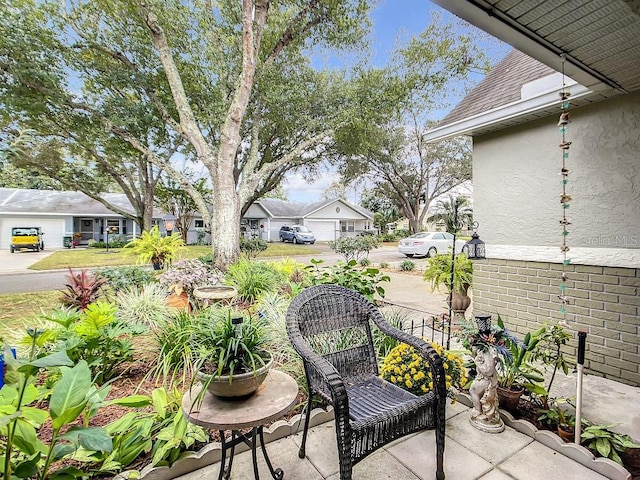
(307, 417)
(440, 436)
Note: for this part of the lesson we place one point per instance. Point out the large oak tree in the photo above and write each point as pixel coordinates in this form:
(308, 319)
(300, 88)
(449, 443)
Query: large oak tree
(222, 83)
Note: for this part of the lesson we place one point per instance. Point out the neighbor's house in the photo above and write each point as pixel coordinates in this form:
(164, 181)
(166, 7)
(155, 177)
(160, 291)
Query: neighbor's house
(512, 116)
(327, 219)
(63, 213)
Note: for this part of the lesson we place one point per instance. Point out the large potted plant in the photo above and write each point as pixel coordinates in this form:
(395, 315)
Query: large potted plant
(152, 247)
(230, 356)
(516, 371)
(438, 273)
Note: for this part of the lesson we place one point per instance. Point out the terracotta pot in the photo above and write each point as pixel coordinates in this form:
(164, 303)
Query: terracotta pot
(566, 433)
(240, 385)
(179, 301)
(509, 397)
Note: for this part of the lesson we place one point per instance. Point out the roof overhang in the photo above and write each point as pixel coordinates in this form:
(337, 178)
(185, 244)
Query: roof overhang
(510, 114)
(598, 39)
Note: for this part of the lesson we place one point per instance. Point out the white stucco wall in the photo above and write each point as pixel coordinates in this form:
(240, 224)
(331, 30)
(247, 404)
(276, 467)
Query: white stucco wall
(517, 186)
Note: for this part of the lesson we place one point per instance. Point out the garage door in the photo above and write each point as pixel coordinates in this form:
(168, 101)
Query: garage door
(53, 229)
(323, 230)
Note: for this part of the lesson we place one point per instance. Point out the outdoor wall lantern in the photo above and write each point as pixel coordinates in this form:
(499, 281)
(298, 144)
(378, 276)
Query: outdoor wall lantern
(169, 221)
(474, 248)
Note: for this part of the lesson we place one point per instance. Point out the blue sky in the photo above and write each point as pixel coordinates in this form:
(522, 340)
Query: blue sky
(392, 20)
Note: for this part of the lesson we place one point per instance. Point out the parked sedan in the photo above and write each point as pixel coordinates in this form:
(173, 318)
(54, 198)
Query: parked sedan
(428, 244)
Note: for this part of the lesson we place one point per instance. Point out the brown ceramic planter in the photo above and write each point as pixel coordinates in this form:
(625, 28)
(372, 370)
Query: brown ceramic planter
(566, 433)
(509, 398)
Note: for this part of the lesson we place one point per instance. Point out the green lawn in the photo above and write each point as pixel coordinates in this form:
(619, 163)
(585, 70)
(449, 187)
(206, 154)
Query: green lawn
(94, 257)
(18, 310)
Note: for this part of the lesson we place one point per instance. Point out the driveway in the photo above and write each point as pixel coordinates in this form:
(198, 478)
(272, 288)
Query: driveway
(19, 262)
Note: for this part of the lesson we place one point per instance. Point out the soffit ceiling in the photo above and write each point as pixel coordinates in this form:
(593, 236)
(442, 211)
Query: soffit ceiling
(599, 38)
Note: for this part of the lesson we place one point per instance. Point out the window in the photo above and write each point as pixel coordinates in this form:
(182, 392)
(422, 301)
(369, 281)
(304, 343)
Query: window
(198, 223)
(113, 224)
(438, 236)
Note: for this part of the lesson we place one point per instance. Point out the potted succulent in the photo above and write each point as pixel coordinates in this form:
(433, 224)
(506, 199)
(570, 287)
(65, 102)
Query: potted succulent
(438, 273)
(152, 247)
(231, 360)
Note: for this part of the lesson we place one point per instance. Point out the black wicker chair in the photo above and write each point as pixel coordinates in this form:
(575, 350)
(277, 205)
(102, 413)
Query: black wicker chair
(330, 327)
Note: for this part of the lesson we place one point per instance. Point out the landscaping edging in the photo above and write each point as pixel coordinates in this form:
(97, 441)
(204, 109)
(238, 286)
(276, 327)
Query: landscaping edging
(578, 453)
(212, 452)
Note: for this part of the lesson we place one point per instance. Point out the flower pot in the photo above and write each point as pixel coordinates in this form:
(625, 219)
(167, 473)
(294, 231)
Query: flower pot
(179, 301)
(240, 385)
(631, 461)
(566, 433)
(509, 397)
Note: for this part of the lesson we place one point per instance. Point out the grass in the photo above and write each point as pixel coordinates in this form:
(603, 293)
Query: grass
(17, 309)
(98, 257)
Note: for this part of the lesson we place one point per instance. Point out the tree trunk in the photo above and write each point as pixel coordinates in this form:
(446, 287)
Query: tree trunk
(225, 227)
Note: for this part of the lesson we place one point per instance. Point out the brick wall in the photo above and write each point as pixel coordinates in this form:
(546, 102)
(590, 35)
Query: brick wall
(605, 302)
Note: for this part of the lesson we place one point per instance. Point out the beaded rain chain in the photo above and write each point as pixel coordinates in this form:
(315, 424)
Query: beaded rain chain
(565, 198)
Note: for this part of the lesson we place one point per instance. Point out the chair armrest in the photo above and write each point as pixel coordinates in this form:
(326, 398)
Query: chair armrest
(325, 370)
(425, 350)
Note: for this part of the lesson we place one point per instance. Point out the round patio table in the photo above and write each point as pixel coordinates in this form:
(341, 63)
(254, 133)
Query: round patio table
(273, 399)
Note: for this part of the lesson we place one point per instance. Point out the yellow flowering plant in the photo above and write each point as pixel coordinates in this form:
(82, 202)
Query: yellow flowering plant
(405, 368)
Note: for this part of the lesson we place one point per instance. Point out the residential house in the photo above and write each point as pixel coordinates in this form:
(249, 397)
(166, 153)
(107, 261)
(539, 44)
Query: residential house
(327, 219)
(513, 117)
(62, 213)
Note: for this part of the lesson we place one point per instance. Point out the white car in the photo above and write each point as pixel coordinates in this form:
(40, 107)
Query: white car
(428, 244)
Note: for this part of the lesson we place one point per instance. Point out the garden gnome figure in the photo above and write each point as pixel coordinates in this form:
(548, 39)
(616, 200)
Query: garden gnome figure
(485, 415)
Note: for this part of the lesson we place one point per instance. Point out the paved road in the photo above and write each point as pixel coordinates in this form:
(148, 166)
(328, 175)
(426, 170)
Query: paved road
(15, 277)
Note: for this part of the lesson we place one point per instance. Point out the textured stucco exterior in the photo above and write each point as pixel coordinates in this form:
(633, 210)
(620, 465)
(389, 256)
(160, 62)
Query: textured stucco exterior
(517, 183)
(517, 189)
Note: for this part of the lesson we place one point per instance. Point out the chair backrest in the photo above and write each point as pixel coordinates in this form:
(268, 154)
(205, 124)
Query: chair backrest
(334, 322)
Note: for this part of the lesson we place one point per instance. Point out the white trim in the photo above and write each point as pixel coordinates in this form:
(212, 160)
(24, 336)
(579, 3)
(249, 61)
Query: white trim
(509, 111)
(605, 257)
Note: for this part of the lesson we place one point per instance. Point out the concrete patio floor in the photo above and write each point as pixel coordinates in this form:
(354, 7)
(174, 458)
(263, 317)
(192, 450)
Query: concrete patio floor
(469, 454)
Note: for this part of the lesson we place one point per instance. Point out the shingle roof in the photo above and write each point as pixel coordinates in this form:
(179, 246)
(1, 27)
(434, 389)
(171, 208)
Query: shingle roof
(20, 200)
(282, 209)
(501, 86)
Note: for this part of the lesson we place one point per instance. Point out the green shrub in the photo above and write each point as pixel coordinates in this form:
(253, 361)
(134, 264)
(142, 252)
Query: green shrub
(251, 248)
(119, 278)
(364, 281)
(387, 237)
(354, 248)
(407, 266)
(364, 262)
(252, 278)
(405, 368)
(207, 259)
(384, 265)
(94, 335)
(175, 347)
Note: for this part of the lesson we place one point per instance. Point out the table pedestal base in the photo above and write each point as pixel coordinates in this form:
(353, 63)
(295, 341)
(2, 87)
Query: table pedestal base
(251, 440)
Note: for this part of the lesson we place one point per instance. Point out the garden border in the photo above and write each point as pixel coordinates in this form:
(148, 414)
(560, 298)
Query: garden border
(578, 453)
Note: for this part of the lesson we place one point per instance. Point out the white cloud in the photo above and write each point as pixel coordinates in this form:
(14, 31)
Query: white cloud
(299, 190)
